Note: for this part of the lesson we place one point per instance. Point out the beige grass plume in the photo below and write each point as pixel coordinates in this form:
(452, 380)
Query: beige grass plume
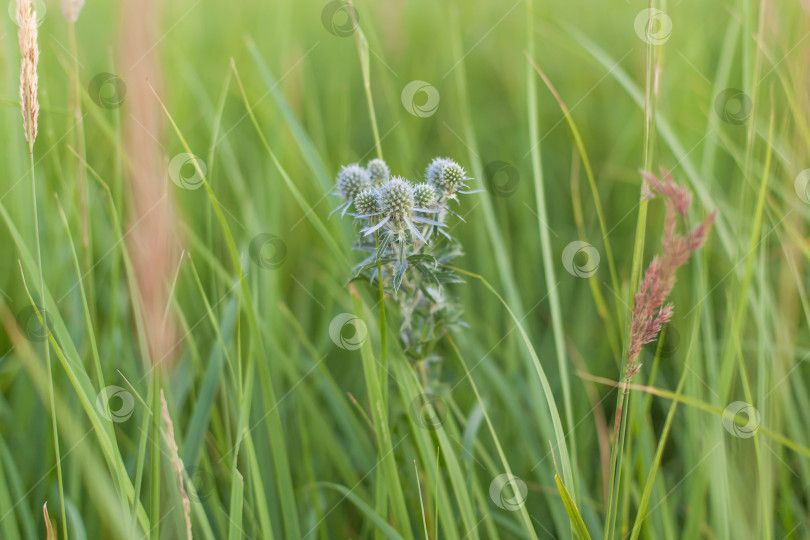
(27, 35)
(153, 240)
(650, 314)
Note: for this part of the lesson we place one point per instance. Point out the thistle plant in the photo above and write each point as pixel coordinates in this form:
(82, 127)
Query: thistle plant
(403, 229)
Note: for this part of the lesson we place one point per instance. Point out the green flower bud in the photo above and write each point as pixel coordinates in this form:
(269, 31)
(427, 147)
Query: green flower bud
(424, 195)
(451, 177)
(434, 170)
(367, 202)
(351, 180)
(396, 199)
(378, 170)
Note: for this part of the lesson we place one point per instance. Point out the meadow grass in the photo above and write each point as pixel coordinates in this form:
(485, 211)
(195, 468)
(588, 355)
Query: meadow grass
(227, 375)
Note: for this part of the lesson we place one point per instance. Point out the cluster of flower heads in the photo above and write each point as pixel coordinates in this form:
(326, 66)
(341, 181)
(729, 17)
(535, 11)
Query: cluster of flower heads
(399, 219)
(397, 203)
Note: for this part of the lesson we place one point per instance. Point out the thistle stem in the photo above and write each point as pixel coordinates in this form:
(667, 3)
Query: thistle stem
(383, 329)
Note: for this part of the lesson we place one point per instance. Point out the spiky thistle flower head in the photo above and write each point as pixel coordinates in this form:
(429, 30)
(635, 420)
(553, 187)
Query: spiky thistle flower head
(451, 178)
(351, 180)
(424, 195)
(367, 202)
(378, 170)
(397, 199)
(434, 169)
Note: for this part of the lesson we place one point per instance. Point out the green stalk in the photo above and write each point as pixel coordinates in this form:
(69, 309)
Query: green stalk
(524, 514)
(365, 67)
(562, 446)
(387, 464)
(154, 491)
(622, 403)
(86, 225)
(548, 265)
(44, 320)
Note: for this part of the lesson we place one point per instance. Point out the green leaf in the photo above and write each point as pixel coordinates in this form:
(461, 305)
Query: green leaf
(576, 519)
(400, 273)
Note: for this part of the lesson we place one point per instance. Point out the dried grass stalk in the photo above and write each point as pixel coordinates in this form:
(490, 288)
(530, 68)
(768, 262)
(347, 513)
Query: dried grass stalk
(50, 528)
(176, 462)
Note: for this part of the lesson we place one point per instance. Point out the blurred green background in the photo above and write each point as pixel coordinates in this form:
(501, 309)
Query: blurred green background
(716, 92)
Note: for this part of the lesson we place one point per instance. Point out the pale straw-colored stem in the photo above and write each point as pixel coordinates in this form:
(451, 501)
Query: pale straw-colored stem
(176, 462)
